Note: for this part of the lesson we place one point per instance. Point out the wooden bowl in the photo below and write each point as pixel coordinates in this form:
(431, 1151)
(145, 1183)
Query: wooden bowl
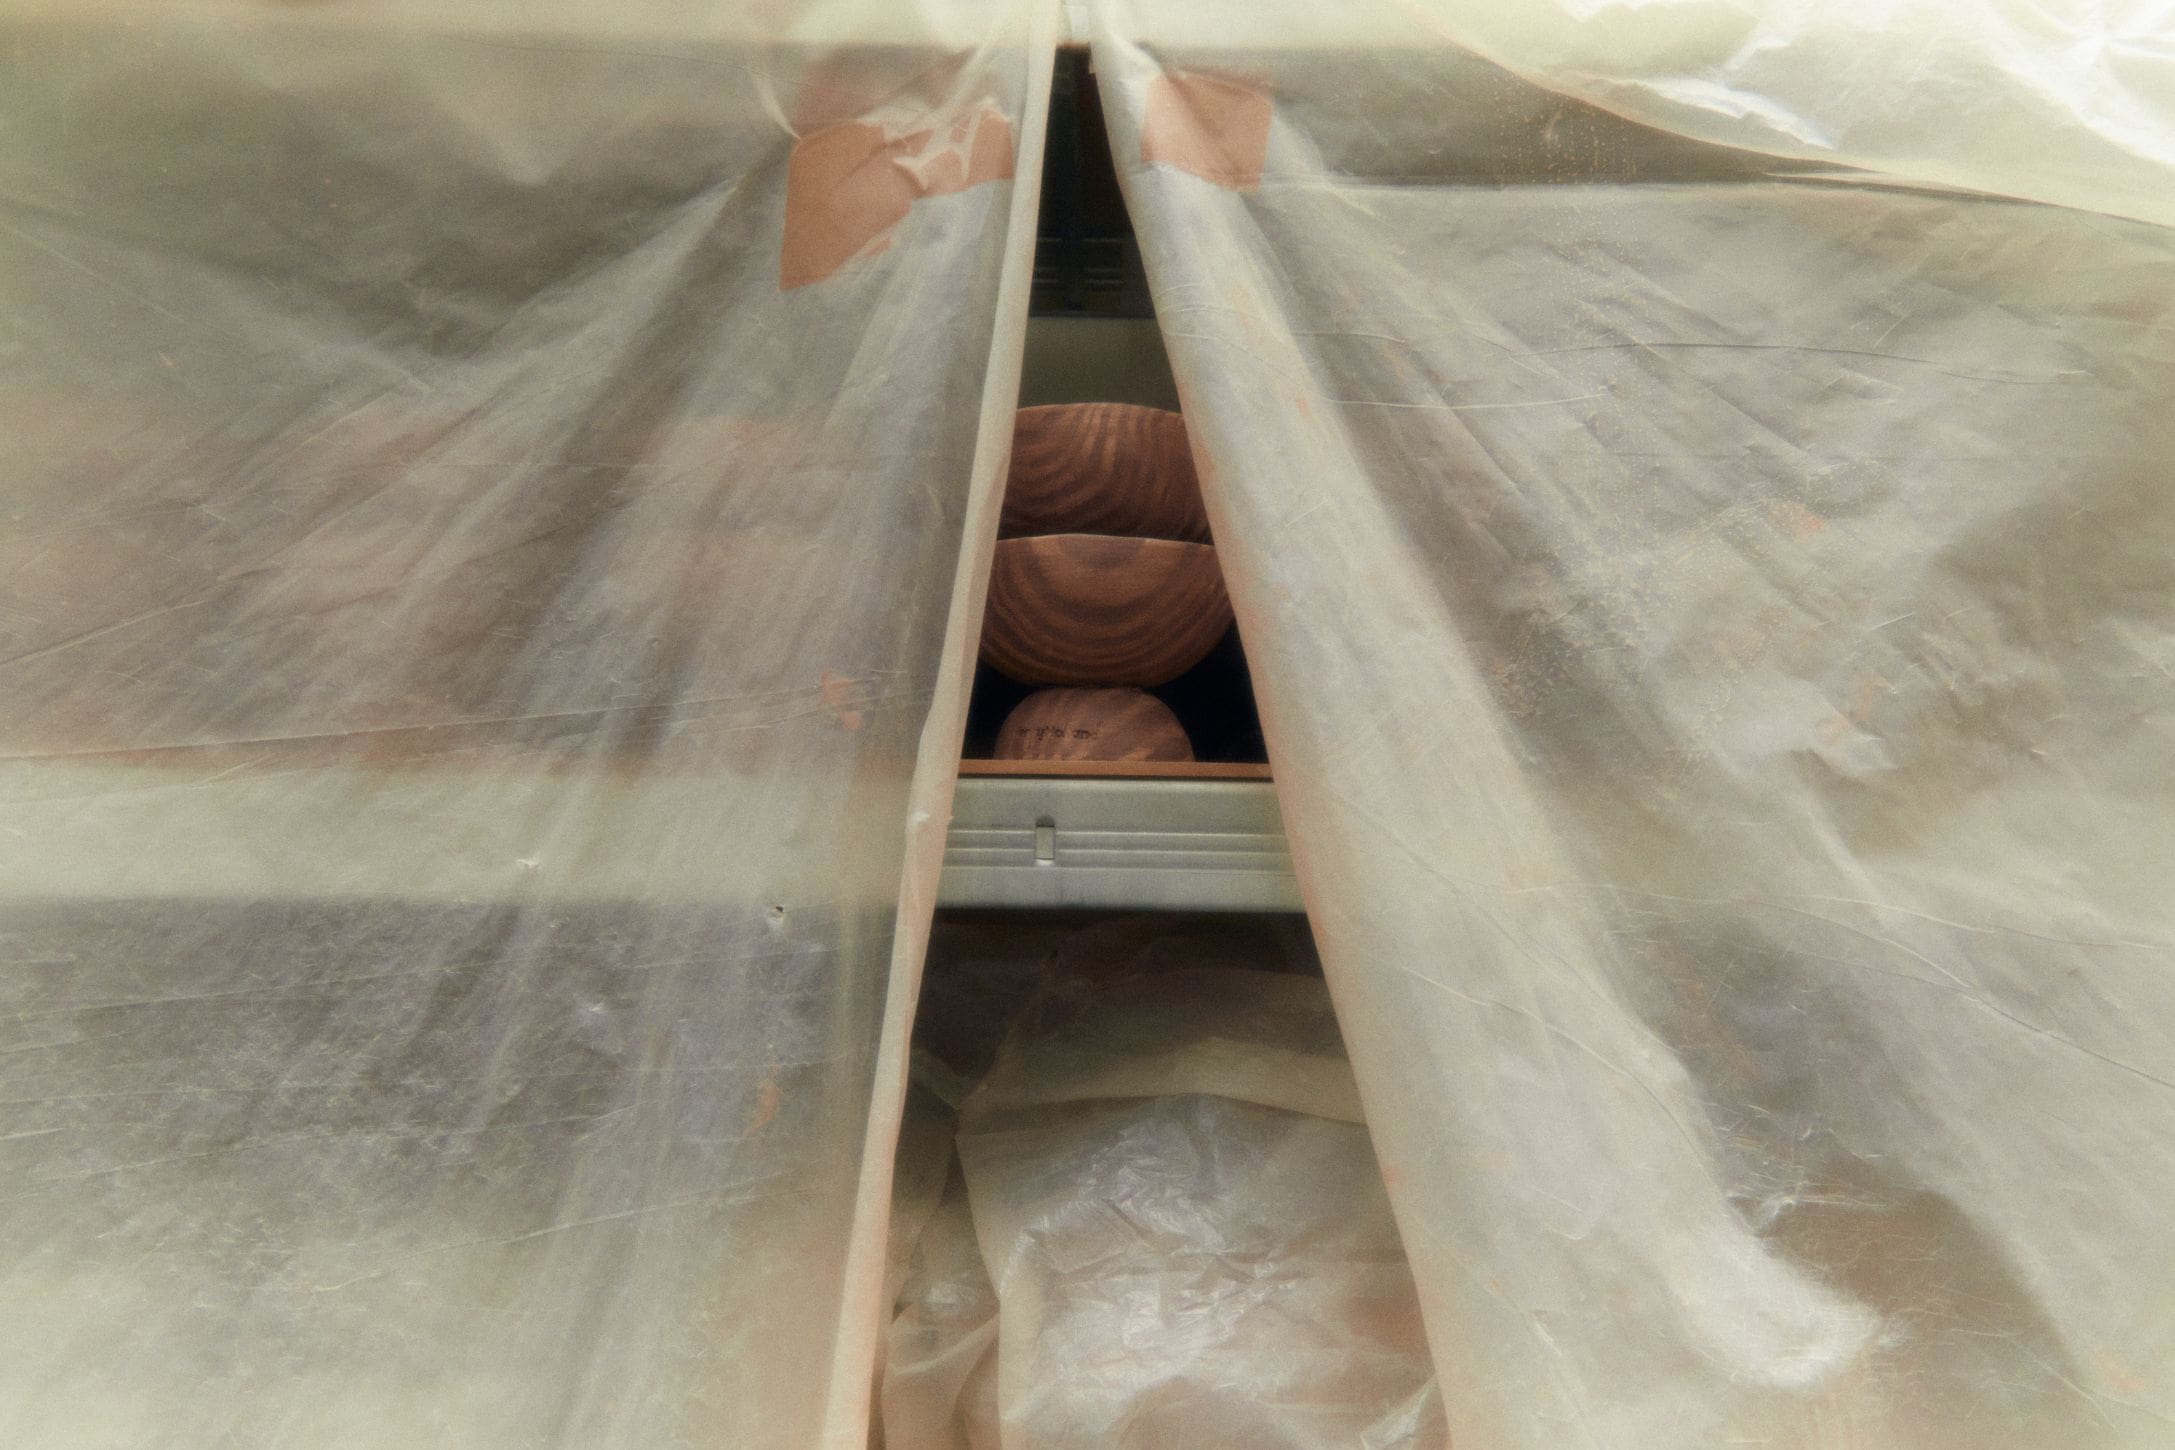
(1092, 724)
(1102, 468)
(1090, 609)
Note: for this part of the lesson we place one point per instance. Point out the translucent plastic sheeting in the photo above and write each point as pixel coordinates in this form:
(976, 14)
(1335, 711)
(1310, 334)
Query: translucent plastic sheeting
(2065, 101)
(1169, 1230)
(481, 555)
(1714, 623)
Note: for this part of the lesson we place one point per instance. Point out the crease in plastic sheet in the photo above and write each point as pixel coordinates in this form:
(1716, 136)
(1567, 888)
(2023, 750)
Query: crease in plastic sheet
(2063, 101)
(1713, 621)
(467, 642)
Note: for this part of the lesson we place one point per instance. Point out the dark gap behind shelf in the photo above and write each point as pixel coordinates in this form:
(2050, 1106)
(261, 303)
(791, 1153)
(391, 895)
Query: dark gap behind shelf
(1092, 337)
(987, 967)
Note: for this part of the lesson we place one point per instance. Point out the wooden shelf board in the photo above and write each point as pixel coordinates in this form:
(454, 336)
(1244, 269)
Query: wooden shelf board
(1121, 769)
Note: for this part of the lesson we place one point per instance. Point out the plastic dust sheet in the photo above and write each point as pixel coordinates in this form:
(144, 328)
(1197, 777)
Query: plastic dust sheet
(487, 491)
(1167, 1226)
(1714, 621)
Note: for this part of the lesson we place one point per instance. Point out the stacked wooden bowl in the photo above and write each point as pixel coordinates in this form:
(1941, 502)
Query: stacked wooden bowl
(1104, 583)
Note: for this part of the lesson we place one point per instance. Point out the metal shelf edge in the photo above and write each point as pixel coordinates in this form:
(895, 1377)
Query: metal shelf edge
(1143, 845)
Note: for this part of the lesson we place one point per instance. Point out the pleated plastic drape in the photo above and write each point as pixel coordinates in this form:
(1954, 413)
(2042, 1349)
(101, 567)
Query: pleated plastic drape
(492, 510)
(1713, 614)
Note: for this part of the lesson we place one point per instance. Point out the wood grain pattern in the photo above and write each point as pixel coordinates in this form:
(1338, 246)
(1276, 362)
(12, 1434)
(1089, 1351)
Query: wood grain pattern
(1102, 468)
(1071, 723)
(1089, 609)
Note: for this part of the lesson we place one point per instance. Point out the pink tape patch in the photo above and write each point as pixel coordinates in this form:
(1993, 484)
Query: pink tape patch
(849, 183)
(1212, 126)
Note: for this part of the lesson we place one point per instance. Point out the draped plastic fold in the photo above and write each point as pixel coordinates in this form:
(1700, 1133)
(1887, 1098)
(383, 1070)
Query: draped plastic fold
(1714, 622)
(1188, 1238)
(473, 602)
(2064, 101)
(1167, 1227)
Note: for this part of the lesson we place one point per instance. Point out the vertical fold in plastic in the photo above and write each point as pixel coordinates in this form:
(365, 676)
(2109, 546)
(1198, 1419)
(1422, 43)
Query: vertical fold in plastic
(1713, 618)
(489, 504)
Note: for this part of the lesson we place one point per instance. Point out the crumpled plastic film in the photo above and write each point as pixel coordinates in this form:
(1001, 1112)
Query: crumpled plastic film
(940, 1366)
(1183, 1237)
(469, 615)
(1713, 620)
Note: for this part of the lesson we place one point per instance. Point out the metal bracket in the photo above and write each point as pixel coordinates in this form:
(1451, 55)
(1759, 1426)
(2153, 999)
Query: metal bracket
(1142, 845)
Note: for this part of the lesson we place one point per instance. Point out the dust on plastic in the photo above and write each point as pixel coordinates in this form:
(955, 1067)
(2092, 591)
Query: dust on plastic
(1712, 608)
(466, 639)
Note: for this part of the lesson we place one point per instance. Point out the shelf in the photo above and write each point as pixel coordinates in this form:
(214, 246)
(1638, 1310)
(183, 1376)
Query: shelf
(137, 832)
(1122, 844)
(1117, 769)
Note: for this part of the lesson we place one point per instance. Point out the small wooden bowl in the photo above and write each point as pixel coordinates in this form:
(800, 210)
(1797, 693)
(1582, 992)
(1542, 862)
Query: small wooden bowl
(1089, 609)
(1092, 724)
(1102, 468)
